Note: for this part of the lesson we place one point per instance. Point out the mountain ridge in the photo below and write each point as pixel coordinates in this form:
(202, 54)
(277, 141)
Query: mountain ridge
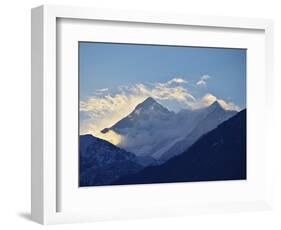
(152, 130)
(217, 155)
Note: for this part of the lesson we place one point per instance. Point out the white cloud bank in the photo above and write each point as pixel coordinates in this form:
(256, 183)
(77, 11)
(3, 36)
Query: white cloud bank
(105, 109)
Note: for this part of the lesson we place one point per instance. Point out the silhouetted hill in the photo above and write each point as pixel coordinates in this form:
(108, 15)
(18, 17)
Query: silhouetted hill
(102, 162)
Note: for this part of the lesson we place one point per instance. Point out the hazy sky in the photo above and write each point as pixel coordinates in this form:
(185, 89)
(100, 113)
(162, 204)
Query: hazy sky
(116, 77)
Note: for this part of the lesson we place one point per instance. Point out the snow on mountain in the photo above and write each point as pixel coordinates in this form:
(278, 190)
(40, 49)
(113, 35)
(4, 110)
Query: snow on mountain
(186, 121)
(144, 130)
(152, 130)
(141, 116)
(212, 116)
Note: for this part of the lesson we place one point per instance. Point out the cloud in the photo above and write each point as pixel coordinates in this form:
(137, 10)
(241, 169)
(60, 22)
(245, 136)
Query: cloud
(103, 111)
(102, 90)
(111, 136)
(177, 80)
(106, 108)
(203, 81)
(205, 77)
(209, 99)
(229, 105)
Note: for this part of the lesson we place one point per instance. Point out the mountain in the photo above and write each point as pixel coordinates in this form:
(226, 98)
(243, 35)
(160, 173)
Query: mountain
(102, 163)
(145, 129)
(151, 130)
(210, 118)
(144, 111)
(217, 155)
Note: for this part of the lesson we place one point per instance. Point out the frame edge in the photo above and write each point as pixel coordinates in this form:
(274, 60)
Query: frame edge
(37, 162)
(41, 210)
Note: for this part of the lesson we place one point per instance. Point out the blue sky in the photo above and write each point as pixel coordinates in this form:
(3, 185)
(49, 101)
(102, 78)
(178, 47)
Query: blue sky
(104, 65)
(198, 71)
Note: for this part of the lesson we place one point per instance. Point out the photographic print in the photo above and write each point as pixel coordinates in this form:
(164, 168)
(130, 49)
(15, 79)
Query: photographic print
(161, 114)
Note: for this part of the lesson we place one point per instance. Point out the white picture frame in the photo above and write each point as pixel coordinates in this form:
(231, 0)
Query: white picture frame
(45, 168)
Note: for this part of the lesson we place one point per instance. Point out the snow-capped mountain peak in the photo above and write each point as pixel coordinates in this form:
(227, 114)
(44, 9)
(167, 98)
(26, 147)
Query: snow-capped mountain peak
(215, 105)
(148, 101)
(148, 110)
(149, 105)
